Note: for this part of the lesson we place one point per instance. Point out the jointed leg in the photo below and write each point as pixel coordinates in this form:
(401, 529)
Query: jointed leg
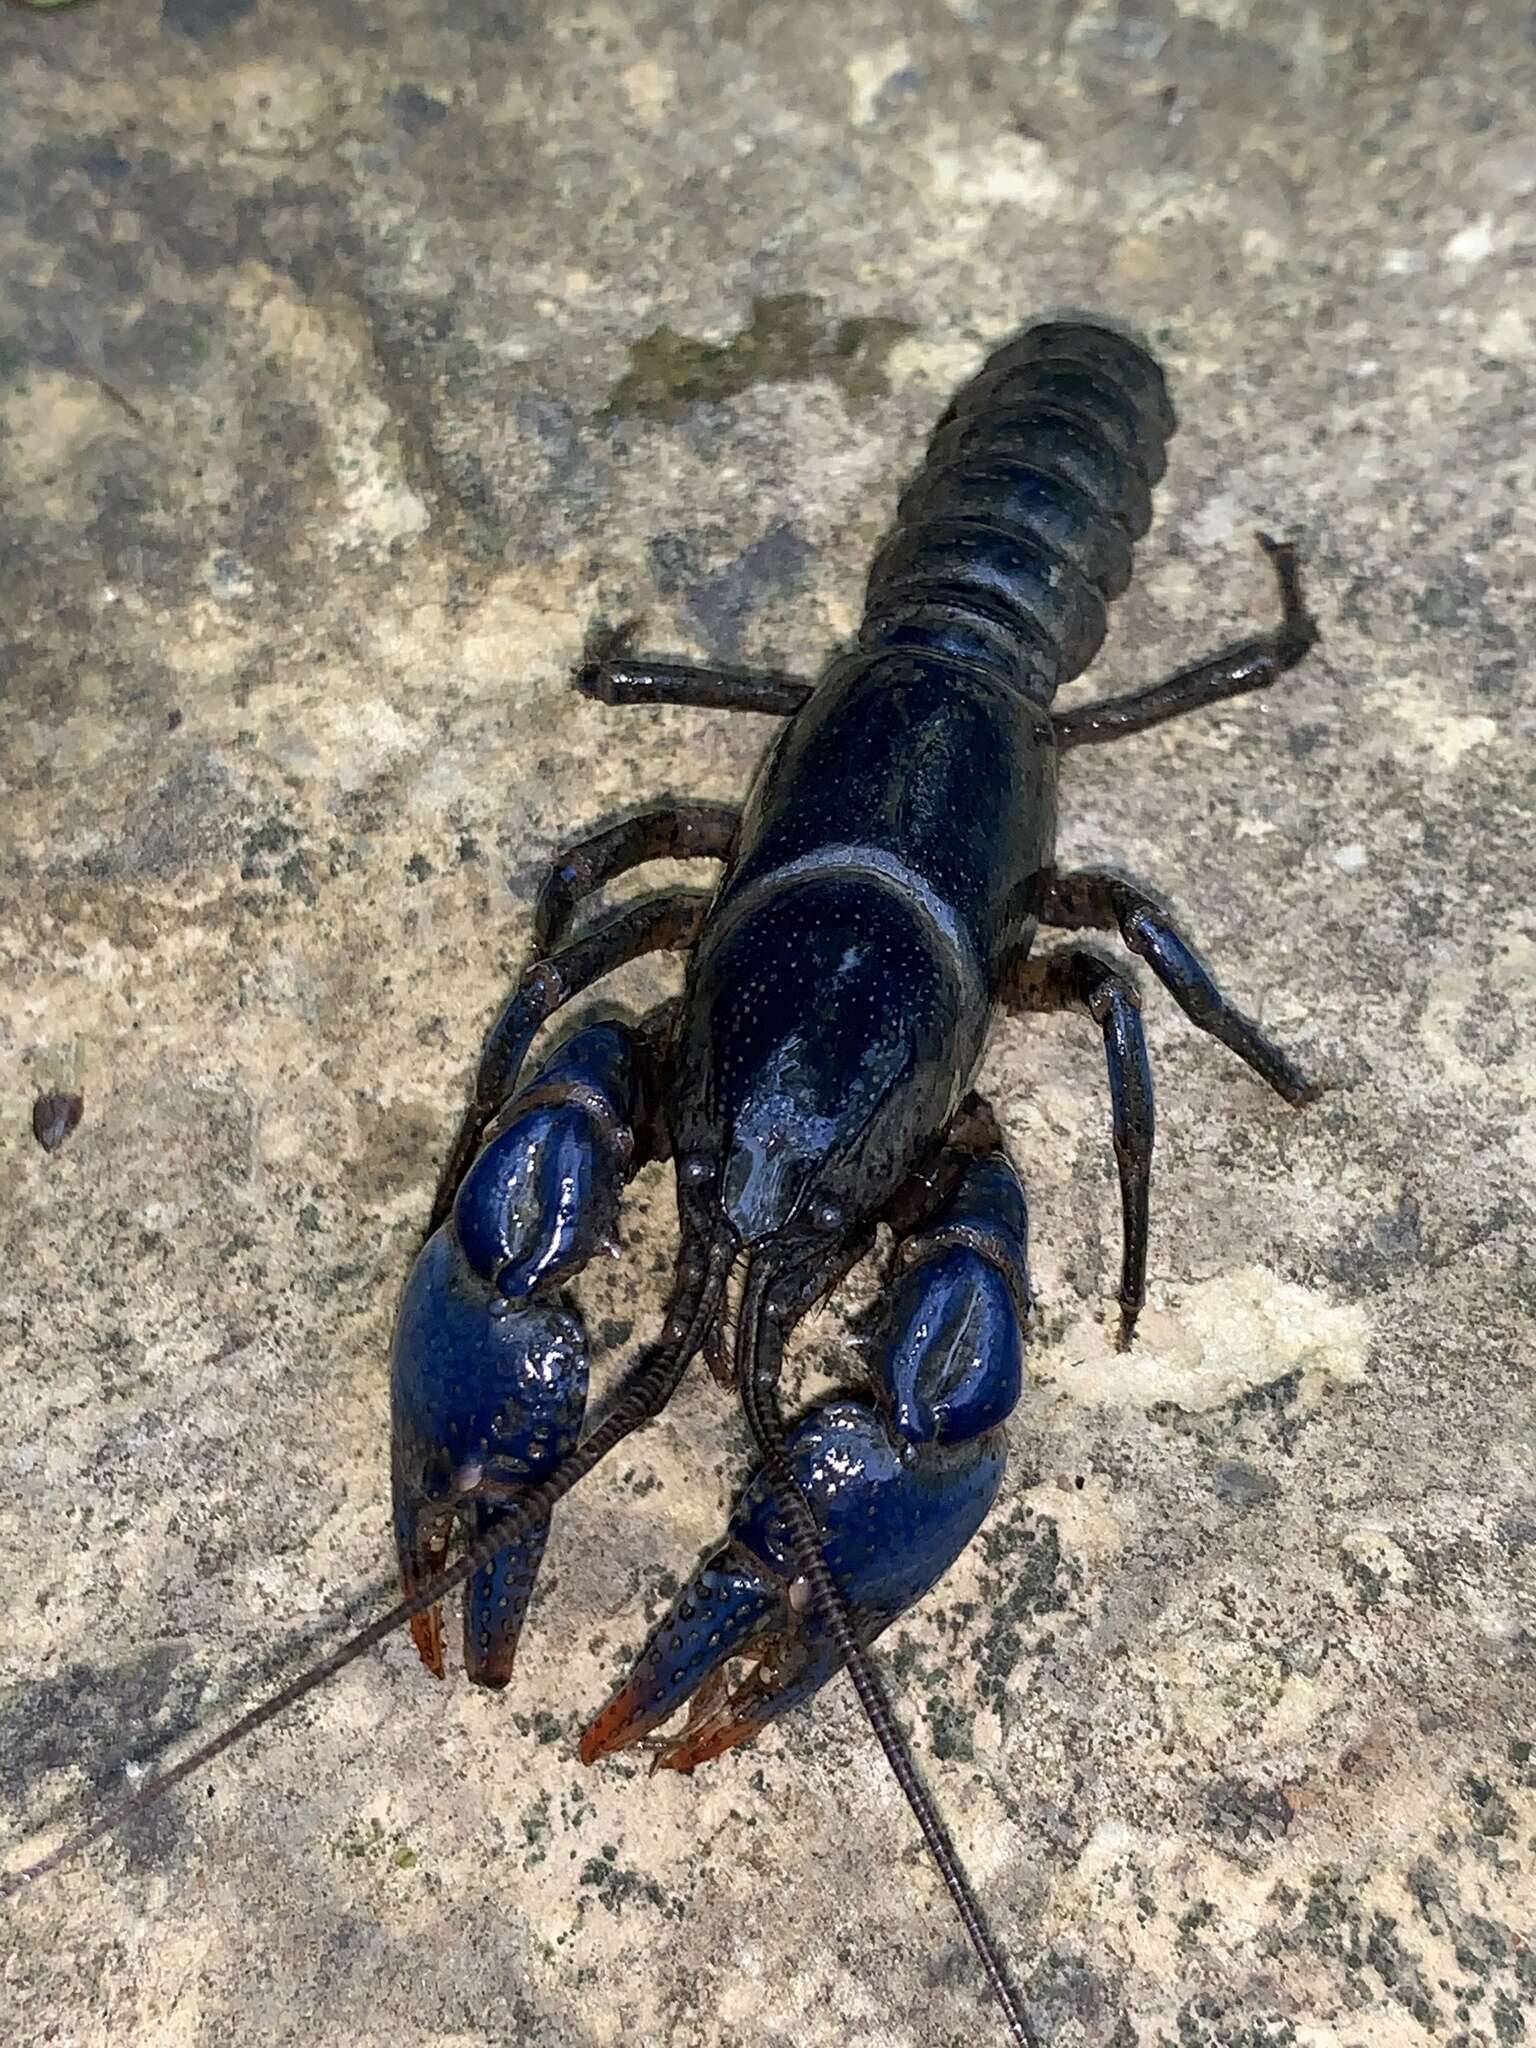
(660, 924)
(612, 678)
(680, 831)
(1103, 902)
(1252, 665)
(1074, 979)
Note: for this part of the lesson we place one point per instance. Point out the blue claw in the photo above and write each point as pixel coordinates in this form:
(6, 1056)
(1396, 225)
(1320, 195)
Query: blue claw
(543, 1194)
(488, 1396)
(893, 1520)
(489, 1369)
(950, 1348)
(954, 1361)
(898, 1491)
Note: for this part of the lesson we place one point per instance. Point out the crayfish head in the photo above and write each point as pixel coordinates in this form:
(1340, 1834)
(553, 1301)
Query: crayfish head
(820, 1043)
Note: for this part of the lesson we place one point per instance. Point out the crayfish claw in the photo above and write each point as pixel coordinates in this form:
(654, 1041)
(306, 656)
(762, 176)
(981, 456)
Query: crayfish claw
(719, 1718)
(892, 1523)
(488, 1396)
(899, 1485)
(421, 1538)
(490, 1362)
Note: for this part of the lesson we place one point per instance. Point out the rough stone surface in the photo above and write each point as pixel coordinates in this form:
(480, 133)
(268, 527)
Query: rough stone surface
(354, 361)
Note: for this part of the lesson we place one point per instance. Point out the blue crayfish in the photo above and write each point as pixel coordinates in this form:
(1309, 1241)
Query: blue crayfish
(882, 890)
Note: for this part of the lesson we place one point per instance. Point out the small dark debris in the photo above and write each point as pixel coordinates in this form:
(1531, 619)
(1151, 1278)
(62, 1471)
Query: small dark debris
(54, 1115)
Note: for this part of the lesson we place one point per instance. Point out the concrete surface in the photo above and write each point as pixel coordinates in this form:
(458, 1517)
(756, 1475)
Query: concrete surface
(354, 360)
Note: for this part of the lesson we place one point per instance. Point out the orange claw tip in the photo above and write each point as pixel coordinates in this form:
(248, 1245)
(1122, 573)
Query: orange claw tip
(719, 1718)
(611, 1729)
(702, 1745)
(427, 1635)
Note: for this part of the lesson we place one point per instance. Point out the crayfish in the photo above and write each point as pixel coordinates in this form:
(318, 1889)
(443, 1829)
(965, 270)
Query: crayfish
(882, 889)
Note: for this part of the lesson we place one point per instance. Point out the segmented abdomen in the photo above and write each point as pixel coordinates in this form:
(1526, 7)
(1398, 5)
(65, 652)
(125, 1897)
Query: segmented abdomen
(1017, 531)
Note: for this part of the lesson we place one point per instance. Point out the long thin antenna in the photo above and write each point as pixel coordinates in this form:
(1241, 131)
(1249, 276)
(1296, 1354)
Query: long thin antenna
(759, 1348)
(645, 1397)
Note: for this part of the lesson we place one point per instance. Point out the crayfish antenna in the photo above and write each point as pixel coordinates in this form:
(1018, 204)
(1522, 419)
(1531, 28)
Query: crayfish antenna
(647, 1393)
(759, 1352)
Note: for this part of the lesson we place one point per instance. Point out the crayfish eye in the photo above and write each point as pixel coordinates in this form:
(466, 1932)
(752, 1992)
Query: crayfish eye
(697, 1169)
(827, 1216)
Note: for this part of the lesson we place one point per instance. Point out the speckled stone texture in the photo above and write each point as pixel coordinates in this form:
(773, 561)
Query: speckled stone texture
(354, 361)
